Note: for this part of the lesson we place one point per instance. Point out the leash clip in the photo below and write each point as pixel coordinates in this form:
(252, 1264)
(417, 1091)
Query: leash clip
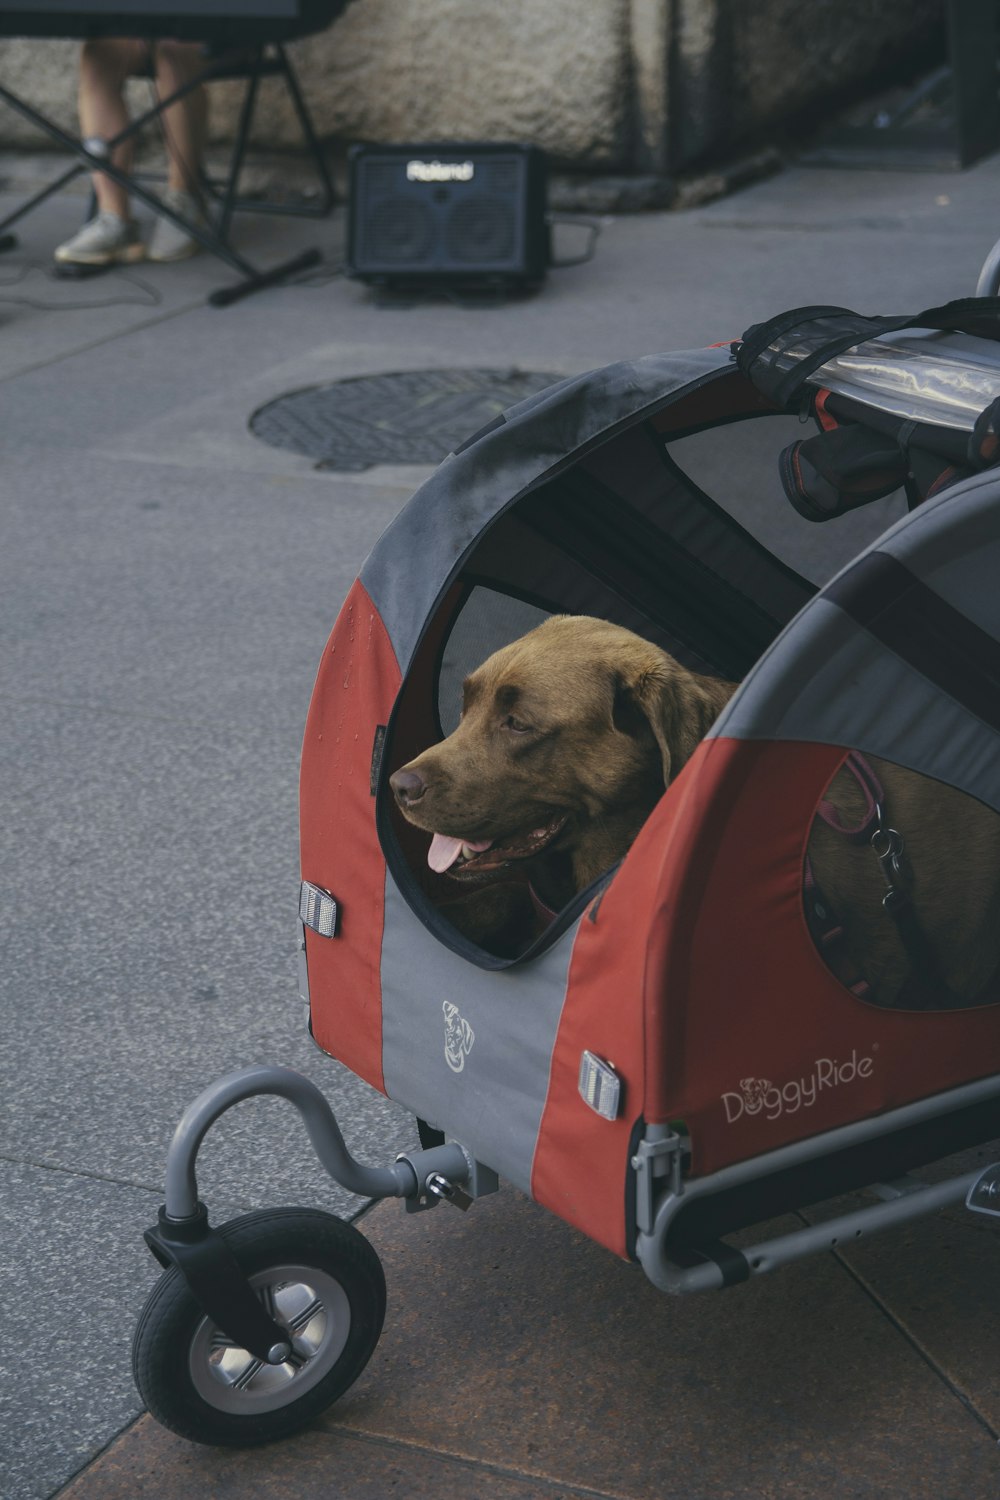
(888, 845)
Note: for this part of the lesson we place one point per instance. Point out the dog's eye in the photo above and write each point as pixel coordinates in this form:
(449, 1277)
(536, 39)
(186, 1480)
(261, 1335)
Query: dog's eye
(516, 726)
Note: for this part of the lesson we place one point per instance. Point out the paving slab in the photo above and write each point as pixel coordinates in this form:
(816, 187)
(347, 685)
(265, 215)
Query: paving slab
(524, 1353)
(148, 1462)
(185, 598)
(160, 639)
(939, 1281)
(152, 949)
(161, 646)
(45, 318)
(73, 1266)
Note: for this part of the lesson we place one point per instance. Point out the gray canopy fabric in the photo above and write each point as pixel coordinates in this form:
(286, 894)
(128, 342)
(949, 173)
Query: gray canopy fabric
(899, 655)
(537, 440)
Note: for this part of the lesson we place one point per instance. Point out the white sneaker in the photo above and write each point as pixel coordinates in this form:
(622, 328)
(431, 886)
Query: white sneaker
(104, 241)
(168, 241)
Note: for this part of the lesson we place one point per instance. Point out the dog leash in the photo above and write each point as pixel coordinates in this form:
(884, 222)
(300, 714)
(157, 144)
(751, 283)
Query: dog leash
(925, 989)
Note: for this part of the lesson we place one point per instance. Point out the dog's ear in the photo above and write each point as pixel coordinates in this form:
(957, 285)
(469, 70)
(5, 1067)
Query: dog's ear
(678, 706)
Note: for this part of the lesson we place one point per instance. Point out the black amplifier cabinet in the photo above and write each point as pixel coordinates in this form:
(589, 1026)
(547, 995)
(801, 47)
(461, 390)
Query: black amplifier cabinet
(448, 214)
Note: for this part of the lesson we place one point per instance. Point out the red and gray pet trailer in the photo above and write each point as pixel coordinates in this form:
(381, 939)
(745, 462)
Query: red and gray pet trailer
(678, 1054)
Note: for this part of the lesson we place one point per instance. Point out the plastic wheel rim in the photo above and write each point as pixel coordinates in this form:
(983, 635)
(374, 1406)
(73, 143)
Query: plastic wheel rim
(313, 1306)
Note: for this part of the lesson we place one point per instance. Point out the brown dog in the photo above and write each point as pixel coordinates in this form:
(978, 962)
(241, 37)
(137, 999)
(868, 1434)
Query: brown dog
(567, 739)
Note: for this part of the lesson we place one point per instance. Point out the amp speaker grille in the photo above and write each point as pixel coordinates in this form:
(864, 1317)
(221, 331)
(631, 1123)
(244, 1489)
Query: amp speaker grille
(452, 212)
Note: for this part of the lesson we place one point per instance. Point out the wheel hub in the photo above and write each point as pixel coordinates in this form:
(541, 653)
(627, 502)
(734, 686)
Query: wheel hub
(313, 1307)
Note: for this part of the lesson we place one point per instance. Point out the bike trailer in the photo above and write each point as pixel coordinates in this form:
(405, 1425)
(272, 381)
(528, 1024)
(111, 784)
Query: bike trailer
(676, 1056)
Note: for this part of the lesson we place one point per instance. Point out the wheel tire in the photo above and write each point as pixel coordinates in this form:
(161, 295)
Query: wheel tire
(319, 1277)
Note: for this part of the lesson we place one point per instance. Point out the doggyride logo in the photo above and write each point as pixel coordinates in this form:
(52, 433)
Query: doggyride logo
(759, 1095)
(458, 1037)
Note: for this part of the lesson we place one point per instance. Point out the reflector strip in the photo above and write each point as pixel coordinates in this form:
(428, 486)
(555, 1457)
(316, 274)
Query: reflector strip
(318, 910)
(600, 1086)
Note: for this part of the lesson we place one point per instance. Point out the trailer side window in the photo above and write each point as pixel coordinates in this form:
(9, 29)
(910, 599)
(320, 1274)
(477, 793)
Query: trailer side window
(901, 886)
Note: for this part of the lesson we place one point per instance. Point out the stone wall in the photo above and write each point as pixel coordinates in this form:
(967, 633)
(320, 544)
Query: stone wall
(554, 73)
(605, 85)
(740, 67)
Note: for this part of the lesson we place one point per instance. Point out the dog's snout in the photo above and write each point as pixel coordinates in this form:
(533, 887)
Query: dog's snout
(408, 787)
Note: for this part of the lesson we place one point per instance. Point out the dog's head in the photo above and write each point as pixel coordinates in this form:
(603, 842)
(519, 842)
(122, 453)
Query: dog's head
(567, 739)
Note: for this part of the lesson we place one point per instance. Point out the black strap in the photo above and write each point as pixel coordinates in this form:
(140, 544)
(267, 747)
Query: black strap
(926, 989)
(960, 658)
(216, 1280)
(780, 355)
(984, 444)
(731, 1262)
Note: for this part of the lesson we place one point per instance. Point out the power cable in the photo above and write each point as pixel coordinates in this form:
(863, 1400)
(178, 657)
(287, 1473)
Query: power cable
(149, 297)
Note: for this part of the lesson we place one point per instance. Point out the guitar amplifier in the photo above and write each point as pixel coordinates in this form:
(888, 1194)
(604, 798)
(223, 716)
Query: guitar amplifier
(448, 214)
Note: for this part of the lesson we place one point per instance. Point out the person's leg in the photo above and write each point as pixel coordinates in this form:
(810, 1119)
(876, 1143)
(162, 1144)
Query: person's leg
(105, 63)
(185, 122)
(111, 236)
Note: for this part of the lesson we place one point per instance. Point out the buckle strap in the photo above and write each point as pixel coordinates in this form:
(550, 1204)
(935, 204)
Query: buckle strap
(926, 989)
(864, 774)
(780, 355)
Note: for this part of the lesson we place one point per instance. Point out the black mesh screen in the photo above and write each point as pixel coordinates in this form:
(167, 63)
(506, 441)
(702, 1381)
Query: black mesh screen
(625, 534)
(486, 621)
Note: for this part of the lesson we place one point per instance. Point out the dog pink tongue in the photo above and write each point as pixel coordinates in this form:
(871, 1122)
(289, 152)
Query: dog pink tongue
(444, 851)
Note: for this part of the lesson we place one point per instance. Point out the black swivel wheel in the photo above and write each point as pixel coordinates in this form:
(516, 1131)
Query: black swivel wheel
(317, 1276)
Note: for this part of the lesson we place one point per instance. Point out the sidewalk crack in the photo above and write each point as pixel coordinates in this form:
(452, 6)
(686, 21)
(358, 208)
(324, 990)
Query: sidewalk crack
(565, 1487)
(962, 1396)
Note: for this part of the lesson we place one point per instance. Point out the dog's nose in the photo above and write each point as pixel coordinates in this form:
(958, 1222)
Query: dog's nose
(408, 786)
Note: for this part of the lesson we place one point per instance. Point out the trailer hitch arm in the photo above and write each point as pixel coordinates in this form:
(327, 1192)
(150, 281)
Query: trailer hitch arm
(183, 1237)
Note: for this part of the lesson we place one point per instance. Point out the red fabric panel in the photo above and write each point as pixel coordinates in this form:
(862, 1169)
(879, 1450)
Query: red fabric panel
(579, 1170)
(355, 689)
(737, 996)
(699, 981)
(730, 395)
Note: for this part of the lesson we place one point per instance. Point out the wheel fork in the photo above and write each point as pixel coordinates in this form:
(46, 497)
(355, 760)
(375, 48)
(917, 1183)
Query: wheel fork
(183, 1237)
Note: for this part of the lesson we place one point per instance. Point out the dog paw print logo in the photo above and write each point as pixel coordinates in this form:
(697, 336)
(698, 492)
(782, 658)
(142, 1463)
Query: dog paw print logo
(458, 1037)
(754, 1090)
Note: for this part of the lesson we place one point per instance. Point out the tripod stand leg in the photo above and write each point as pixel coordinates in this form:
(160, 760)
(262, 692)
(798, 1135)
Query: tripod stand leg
(255, 283)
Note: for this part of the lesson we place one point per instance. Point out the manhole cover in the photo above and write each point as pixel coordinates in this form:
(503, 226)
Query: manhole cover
(414, 418)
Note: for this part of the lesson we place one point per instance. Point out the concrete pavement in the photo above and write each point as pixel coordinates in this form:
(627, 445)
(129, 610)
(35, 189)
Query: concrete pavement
(168, 585)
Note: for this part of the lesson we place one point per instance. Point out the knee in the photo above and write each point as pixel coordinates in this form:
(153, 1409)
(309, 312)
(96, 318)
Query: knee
(100, 62)
(177, 62)
(97, 54)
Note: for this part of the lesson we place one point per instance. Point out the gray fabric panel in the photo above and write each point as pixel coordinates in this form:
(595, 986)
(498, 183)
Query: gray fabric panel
(827, 681)
(447, 513)
(492, 1103)
(952, 544)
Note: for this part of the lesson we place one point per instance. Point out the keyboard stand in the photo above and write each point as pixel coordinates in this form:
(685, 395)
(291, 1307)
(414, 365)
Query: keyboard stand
(94, 156)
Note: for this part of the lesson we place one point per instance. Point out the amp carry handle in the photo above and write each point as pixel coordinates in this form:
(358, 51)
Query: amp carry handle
(780, 355)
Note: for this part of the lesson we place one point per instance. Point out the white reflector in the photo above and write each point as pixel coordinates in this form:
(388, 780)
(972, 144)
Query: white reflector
(600, 1086)
(318, 910)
